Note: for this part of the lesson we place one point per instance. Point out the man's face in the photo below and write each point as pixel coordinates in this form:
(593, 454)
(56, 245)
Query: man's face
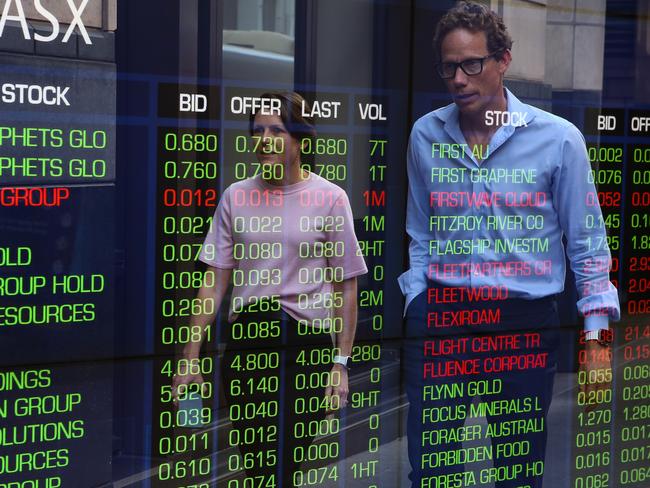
(473, 94)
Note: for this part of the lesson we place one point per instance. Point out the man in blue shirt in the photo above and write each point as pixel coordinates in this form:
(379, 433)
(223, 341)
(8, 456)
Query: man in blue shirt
(494, 185)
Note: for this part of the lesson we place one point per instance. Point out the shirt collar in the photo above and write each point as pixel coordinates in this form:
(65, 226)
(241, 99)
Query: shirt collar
(449, 114)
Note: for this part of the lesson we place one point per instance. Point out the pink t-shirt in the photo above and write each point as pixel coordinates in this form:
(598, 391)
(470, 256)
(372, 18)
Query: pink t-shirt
(285, 245)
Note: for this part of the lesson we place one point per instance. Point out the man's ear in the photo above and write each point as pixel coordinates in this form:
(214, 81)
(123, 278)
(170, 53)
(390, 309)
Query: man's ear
(504, 62)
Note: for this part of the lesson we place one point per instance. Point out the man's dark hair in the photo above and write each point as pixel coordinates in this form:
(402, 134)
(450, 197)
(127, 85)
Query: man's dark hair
(474, 17)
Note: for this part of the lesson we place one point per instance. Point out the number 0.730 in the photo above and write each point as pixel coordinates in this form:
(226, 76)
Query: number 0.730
(266, 145)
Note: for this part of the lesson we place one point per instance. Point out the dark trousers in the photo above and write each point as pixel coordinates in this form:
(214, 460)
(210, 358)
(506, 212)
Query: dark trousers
(268, 403)
(503, 351)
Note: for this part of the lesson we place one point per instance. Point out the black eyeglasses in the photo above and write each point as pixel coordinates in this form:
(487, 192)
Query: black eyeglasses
(471, 67)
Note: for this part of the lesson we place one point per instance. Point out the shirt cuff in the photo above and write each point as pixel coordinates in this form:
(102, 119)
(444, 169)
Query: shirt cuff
(412, 283)
(408, 299)
(596, 322)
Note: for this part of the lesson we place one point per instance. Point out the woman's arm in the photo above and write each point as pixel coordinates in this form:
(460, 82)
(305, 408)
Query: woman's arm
(337, 391)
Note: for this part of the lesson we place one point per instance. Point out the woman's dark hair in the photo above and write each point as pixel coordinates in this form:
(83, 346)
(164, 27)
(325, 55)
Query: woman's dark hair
(298, 125)
(474, 17)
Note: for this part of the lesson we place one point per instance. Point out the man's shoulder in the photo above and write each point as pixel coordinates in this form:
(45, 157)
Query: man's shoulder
(537, 118)
(548, 120)
(556, 132)
(434, 120)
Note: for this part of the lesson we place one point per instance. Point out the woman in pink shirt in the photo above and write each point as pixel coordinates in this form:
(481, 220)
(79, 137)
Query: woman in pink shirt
(285, 238)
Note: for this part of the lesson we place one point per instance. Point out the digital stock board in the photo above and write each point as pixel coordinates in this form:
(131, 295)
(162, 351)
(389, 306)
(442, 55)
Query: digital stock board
(258, 244)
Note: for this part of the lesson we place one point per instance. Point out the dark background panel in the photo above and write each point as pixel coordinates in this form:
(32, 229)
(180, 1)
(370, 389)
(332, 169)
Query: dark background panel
(75, 238)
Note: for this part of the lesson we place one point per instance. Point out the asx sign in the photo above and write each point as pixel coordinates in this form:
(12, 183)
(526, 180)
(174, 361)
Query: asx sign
(13, 10)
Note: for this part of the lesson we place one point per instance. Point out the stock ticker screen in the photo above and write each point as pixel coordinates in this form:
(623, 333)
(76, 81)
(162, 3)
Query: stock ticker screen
(301, 243)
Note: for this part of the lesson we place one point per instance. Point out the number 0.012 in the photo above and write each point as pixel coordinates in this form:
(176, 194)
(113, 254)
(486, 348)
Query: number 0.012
(253, 435)
(190, 198)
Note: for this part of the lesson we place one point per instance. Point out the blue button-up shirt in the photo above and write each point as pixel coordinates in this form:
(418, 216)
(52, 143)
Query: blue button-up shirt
(497, 219)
